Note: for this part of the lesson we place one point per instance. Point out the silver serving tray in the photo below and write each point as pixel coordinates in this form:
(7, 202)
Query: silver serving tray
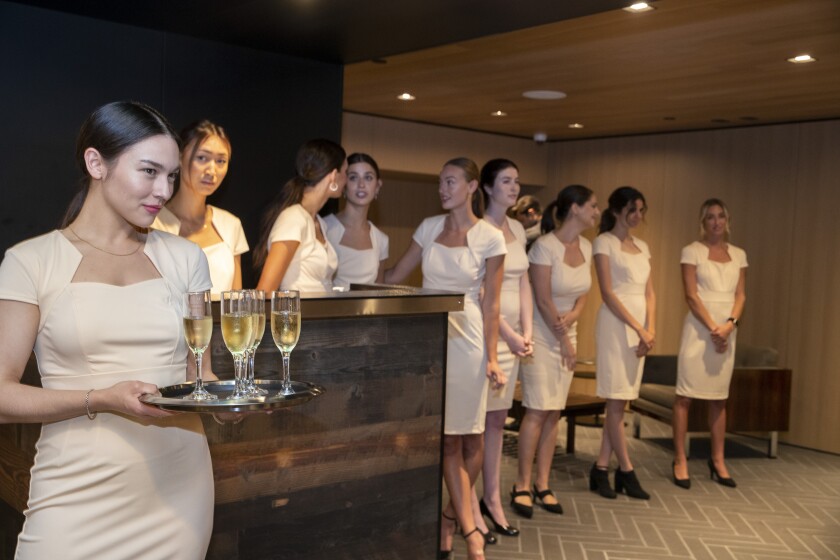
(172, 397)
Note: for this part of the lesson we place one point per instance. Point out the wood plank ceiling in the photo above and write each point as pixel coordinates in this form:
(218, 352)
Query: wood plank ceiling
(687, 65)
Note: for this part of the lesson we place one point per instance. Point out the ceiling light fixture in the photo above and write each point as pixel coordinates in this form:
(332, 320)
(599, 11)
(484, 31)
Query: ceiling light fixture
(406, 97)
(498, 114)
(576, 125)
(544, 94)
(638, 7)
(802, 59)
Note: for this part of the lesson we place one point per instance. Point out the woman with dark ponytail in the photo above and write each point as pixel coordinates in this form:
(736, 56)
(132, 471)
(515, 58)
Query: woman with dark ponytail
(100, 303)
(624, 332)
(561, 276)
(293, 251)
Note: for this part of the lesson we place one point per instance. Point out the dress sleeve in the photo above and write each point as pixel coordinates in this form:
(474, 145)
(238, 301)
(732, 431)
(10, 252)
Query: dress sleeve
(495, 244)
(741, 257)
(290, 225)
(240, 242)
(601, 246)
(689, 255)
(199, 273)
(422, 233)
(586, 249)
(384, 244)
(18, 279)
(539, 253)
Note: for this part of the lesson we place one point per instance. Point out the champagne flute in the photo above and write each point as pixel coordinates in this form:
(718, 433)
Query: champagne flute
(237, 330)
(198, 328)
(259, 330)
(285, 328)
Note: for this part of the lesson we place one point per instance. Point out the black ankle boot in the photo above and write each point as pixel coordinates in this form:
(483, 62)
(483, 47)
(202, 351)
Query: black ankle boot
(627, 482)
(599, 481)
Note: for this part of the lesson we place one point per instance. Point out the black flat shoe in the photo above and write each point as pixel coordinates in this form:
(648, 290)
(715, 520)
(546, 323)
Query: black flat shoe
(599, 481)
(627, 482)
(488, 538)
(681, 482)
(715, 475)
(541, 495)
(521, 509)
(507, 530)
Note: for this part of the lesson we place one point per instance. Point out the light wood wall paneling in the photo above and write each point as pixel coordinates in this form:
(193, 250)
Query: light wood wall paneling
(421, 148)
(813, 330)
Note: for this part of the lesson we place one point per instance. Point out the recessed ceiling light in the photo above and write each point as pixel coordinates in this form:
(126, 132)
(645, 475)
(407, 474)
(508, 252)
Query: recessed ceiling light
(637, 7)
(406, 97)
(802, 59)
(544, 94)
(576, 125)
(498, 114)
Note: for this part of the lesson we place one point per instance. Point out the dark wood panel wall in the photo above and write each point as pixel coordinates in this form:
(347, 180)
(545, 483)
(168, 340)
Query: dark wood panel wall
(57, 68)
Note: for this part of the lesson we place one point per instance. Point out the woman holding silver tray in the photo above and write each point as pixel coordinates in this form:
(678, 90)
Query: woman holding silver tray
(100, 301)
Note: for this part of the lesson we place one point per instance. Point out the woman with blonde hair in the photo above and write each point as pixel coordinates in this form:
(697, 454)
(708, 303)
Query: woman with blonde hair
(714, 278)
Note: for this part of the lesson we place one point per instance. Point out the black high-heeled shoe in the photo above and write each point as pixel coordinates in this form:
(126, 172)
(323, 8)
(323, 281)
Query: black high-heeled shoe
(444, 554)
(627, 482)
(681, 482)
(507, 530)
(715, 475)
(599, 481)
(541, 495)
(521, 509)
(489, 538)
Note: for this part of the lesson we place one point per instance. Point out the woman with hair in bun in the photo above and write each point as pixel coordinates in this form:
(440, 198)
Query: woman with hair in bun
(624, 333)
(460, 252)
(561, 275)
(714, 277)
(204, 165)
(499, 189)
(362, 248)
(100, 301)
(293, 251)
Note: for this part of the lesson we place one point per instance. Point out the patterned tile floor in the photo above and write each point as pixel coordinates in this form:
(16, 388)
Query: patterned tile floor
(787, 507)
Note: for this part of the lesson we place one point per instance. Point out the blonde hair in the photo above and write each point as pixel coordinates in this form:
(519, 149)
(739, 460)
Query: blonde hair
(704, 208)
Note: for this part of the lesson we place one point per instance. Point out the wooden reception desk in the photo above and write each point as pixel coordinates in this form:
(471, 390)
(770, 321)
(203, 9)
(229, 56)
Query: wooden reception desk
(354, 473)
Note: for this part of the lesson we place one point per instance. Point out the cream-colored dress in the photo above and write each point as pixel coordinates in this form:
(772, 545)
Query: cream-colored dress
(461, 269)
(220, 256)
(702, 372)
(545, 379)
(618, 371)
(114, 487)
(313, 264)
(356, 266)
(516, 264)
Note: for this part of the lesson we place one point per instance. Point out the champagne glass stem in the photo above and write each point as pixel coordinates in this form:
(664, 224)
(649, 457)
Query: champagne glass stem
(199, 383)
(239, 374)
(287, 382)
(251, 367)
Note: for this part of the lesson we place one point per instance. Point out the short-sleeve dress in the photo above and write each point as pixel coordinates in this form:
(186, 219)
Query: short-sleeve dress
(314, 263)
(702, 372)
(462, 269)
(545, 378)
(618, 371)
(115, 487)
(355, 266)
(220, 256)
(516, 264)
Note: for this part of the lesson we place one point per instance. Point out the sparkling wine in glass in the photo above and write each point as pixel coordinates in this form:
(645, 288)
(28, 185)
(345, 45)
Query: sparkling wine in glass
(259, 330)
(237, 332)
(198, 328)
(285, 328)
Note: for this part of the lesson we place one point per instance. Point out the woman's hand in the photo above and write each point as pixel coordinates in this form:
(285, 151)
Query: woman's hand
(519, 345)
(568, 354)
(124, 397)
(497, 377)
(646, 342)
(562, 324)
(720, 336)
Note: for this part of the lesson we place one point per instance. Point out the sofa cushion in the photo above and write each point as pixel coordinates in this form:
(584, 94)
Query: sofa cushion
(662, 395)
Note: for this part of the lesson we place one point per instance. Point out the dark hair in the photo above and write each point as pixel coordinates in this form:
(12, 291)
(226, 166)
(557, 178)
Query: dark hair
(489, 172)
(358, 157)
(315, 160)
(558, 210)
(110, 130)
(619, 200)
(196, 133)
(471, 173)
